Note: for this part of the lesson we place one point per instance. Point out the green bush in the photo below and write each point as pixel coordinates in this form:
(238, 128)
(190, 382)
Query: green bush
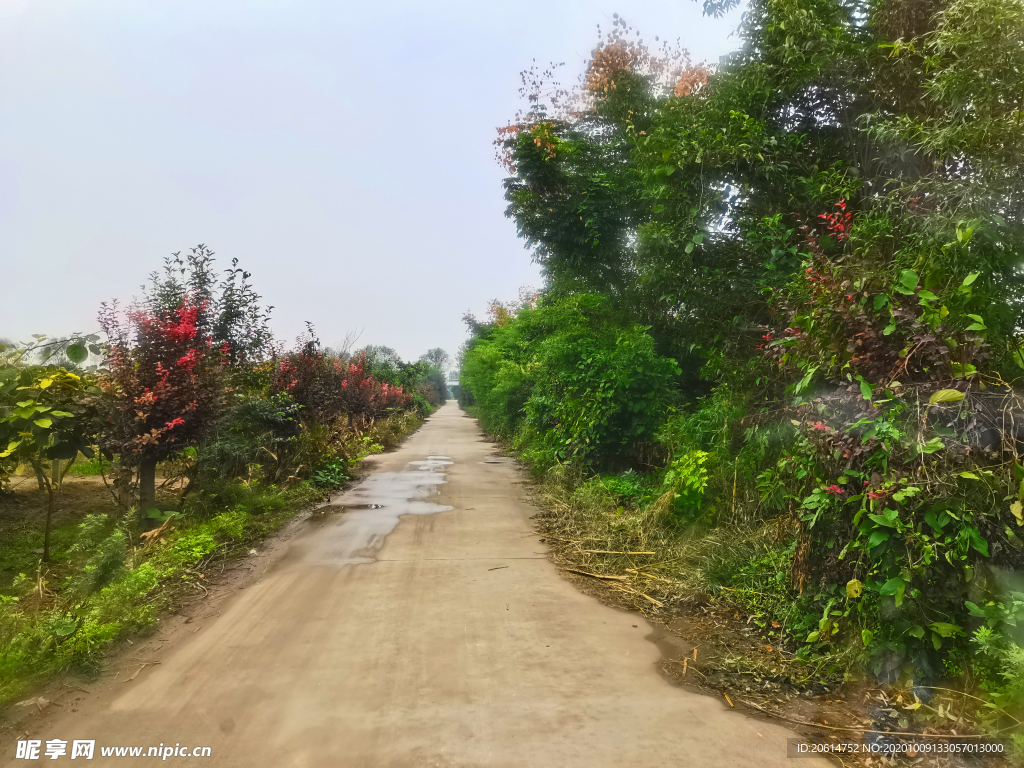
(571, 381)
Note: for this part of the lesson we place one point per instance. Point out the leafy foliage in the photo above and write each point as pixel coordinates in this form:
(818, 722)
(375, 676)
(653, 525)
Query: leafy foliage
(575, 378)
(822, 237)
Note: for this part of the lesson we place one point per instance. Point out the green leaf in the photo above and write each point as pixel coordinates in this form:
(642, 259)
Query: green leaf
(902, 495)
(977, 541)
(43, 423)
(936, 641)
(854, 589)
(76, 353)
(865, 388)
(927, 295)
(11, 448)
(876, 538)
(889, 329)
(969, 476)
(917, 632)
(1017, 510)
(944, 629)
(813, 637)
(63, 626)
(893, 586)
(946, 396)
(802, 384)
(908, 278)
(880, 301)
(962, 370)
(970, 279)
(866, 636)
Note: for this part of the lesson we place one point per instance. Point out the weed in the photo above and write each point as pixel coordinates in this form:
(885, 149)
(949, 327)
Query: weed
(331, 476)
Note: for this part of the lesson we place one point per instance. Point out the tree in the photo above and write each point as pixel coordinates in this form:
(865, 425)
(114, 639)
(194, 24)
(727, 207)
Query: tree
(437, 357)
(169, 358)
(384, 363)
(47, 417)
(164, 387)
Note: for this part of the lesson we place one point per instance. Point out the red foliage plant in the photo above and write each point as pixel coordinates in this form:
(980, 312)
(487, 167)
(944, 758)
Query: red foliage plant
(163, 385)
(844, 315)
(328, 387)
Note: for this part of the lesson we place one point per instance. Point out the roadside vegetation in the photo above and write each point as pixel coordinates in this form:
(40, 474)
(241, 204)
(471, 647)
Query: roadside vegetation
(133, 459)
(776, 357)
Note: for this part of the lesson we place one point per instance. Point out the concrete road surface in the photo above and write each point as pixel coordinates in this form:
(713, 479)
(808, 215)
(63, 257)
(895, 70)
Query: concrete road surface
(440, 638)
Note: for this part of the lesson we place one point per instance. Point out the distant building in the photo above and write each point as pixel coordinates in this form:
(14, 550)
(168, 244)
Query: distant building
(453, 385)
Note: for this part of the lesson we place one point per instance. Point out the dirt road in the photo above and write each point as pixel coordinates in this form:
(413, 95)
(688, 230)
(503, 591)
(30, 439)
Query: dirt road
(444, 638)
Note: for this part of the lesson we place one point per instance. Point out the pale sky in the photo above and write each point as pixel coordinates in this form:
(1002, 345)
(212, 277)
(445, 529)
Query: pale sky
(342, 151)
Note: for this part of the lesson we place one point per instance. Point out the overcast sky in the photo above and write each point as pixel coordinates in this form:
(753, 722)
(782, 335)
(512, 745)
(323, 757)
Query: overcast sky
(342, 151)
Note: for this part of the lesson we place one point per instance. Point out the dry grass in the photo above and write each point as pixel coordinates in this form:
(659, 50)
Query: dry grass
(664, 563)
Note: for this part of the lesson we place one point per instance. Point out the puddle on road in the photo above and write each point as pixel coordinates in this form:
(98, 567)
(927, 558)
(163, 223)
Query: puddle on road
(371, 511)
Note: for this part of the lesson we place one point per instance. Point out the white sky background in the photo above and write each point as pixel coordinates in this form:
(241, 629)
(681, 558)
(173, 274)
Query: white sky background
(342, 151)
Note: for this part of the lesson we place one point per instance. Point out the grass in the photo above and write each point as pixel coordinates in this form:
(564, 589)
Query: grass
(20, 551)
(102, 584)
(84, 467)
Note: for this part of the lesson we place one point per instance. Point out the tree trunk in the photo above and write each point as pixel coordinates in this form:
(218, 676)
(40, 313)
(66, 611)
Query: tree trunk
(147, 489)
(49, 520)
(45, 484)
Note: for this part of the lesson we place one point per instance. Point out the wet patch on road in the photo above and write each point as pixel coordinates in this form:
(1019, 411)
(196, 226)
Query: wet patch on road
(372, 510)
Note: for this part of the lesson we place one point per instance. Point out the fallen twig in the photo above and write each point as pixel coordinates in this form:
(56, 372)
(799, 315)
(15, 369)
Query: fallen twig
(151, 537)
(645, 597)
(684, 663)
(613, 552)
(868, 729)
(648, 575)
(559, 538)
(135, 673)
(595, 575)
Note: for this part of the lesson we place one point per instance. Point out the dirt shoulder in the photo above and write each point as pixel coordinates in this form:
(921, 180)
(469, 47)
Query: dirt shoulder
(712, 646)
(193, 606)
